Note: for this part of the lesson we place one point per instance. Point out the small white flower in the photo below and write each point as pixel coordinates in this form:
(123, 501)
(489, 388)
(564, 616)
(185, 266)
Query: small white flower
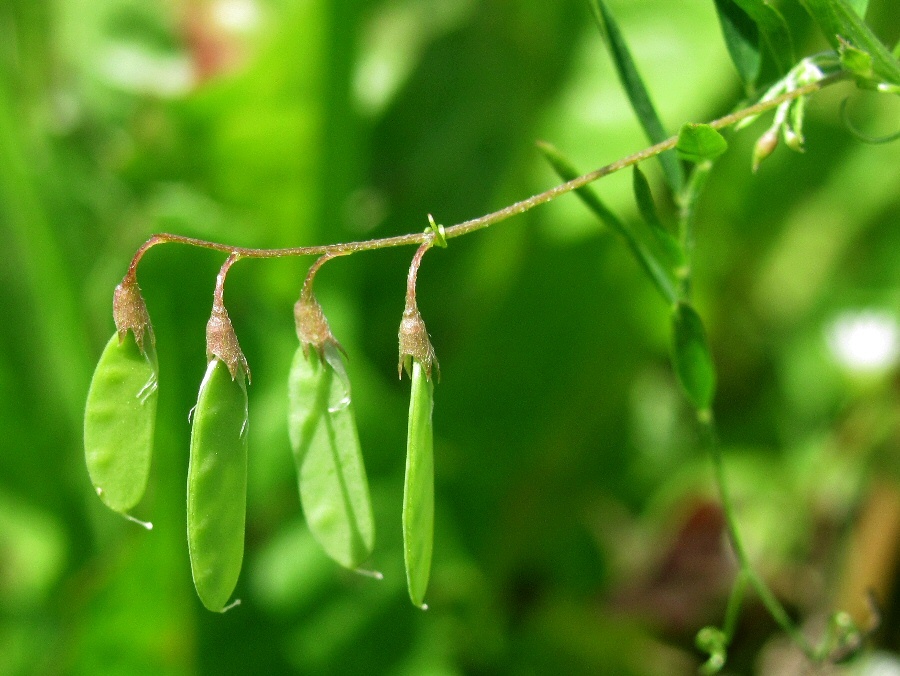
(865, 341)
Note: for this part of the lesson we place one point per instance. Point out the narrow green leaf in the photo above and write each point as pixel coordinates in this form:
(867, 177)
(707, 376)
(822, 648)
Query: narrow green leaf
(691, 357)
(841, 24)
(774, 31)
(644, 198)
(741, 38)
(668, 245)
(119, 420)
(217, 485)
(332, 480)
(418, 488)
(566, 171)
(655, 269)
(860, 7)
(699, 143)
(637, 92)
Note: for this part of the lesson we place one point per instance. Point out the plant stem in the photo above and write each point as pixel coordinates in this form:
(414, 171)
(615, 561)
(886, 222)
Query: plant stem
(768, 598)
(413, 275)
(219, 292)
(307, 292)
(487, 220)
(734, 605)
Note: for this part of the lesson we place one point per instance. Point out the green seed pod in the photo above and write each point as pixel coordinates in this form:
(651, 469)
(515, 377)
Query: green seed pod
(418, 489)
(217, 485)
(332, 480)
(119, 420)
(691, 357)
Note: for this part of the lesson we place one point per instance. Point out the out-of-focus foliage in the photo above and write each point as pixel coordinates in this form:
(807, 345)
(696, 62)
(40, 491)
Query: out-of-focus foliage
(576, 528)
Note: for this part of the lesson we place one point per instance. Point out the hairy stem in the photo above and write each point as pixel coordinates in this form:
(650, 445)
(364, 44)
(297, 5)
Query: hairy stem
(481, 222)
(413, 274)
(307, 291)
(219, 292)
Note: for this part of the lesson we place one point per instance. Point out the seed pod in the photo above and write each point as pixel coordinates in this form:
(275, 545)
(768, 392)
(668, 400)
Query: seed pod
(331, 475)
(217, 485)
(691, 357)
(418, 488)
(119, 420)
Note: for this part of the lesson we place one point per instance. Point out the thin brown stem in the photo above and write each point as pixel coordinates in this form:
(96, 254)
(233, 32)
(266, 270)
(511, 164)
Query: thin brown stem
(307, 292)
(481, 222)
(218, 294)
(413, 274)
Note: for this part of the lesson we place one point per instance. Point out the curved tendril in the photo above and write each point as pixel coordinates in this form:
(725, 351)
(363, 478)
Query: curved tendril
(861, 136)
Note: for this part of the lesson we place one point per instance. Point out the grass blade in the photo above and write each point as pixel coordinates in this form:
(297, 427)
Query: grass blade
(774, 30)
(839, 21)
(655, 269)
(637, 92)
(859, 6)
(742, 40)
(667, 244)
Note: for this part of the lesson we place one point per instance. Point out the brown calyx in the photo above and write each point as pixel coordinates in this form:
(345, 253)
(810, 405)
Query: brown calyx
(312, 326)
(130, 312)
(415, 343)
(222, 343)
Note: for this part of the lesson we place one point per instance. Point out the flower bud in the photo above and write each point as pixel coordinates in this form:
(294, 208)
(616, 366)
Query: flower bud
(764, 147)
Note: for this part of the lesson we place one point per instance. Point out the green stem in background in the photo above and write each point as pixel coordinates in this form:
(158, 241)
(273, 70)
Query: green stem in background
(687, 209)
(487, 220)
(734, 605)
(747, 575)
(645, 257)
(747, 572)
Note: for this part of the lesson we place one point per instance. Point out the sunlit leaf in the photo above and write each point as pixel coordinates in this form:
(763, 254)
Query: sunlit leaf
(842, 25)
(860, 6)
(774, 30)
(741, 38)
(699, 143)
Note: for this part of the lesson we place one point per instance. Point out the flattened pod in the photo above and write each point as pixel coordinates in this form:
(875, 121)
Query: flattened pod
(418, 489)
(332, 480)
(118, 422)
(217, 485)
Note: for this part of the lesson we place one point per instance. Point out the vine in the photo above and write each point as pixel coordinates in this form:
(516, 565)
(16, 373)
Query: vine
(331, 475)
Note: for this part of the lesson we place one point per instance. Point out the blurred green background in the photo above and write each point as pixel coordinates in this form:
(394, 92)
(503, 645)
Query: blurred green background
(577, 529)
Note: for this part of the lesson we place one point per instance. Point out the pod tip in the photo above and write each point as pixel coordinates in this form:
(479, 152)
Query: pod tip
(231, 605)
(144, 524)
